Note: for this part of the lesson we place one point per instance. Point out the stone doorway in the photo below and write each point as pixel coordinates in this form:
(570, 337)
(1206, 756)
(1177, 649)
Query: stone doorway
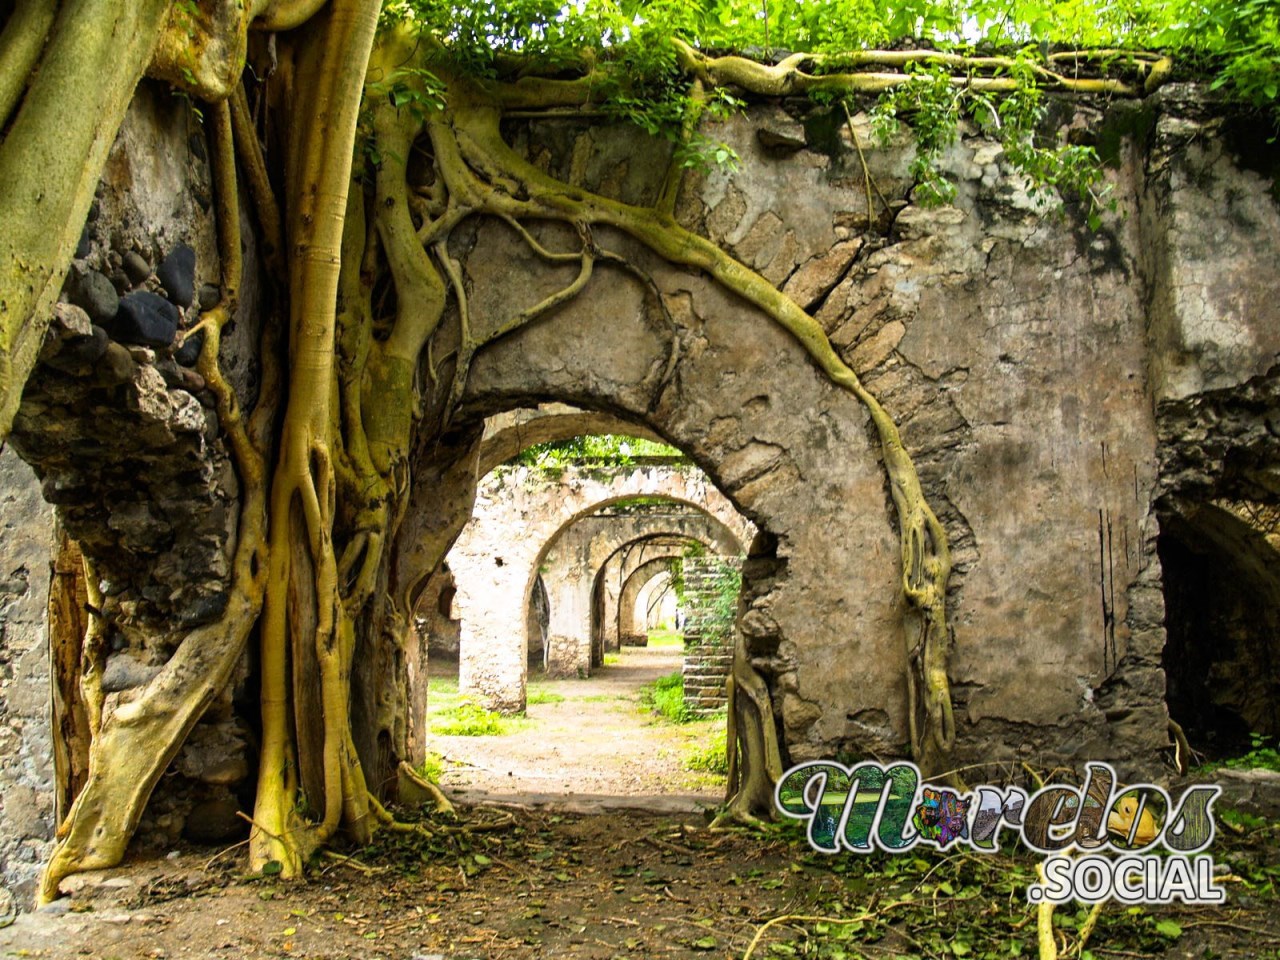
(1221, 572)
(531, 599)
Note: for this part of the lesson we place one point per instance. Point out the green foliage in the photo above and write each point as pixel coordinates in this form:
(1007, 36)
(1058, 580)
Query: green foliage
(717, 621)
(432, 767)
(666, 638)
(665, 696)
(1262, 754)
(710, 757)
(1236, 45)
(411, 88)
(535, 697)
(467, 719)
(934, 106)
(597, 449)
(1241, 42)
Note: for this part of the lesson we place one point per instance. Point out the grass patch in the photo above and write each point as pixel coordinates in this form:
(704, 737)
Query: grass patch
(432, 768)
(709, 755)
(468, 719)
(666, 638)
(535, 697)
(612, 659)
(665, 696)
(1260, 756)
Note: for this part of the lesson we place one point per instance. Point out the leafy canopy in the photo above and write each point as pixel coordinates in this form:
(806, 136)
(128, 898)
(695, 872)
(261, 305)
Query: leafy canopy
(625, 49)
(1234, 42)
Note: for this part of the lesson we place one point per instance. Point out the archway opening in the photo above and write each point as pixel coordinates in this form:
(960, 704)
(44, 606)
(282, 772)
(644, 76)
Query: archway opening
(560, 527)
(1221, 571)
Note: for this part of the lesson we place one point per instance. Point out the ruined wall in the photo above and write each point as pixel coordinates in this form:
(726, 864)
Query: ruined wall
(26, 753)
(518, 512)
(1062, 392)
(123, 435)
(1023, 356)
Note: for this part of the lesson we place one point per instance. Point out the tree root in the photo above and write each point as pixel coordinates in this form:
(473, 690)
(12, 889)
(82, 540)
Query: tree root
(20, 47)
(442, 804)
(150, 728)
(926, 563)
(806, 918)
(788, 79)
(302, 497)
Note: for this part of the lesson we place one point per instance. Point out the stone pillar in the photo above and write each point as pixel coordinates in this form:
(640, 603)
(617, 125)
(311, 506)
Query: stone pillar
(493, 659)
(493, 675)
(610, 586)
(569, 630)
(26, 757)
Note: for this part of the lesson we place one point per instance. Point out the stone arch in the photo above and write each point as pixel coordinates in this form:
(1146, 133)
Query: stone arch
(571, 560)
(1222, 619)
(612, 580)
(538, 620)
(494, 570)
(507, 434)
(656, 592)
(630, 627)
(791, 452)
(608, 580)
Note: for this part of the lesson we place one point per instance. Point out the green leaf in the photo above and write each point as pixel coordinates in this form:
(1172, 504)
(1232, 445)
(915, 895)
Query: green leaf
(705, 943)
(272, 868)
(1168, 928)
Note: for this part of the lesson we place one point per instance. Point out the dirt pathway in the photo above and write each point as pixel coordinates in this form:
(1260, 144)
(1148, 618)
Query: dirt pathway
(586, 745)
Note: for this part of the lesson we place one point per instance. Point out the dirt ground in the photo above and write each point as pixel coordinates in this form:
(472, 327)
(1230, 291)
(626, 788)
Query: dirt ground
(588, 749)
(537, 880)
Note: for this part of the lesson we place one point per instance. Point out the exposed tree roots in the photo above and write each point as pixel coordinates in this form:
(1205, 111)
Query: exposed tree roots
(134, 739)
(320, 565)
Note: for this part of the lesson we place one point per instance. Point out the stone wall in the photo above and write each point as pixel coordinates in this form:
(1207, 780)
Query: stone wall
(26, 753)
(708, 648)
(1063, 393)
(1022, 355)
(123, 434)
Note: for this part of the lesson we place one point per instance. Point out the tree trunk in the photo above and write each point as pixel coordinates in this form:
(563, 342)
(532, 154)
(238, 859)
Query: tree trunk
(52, 157)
